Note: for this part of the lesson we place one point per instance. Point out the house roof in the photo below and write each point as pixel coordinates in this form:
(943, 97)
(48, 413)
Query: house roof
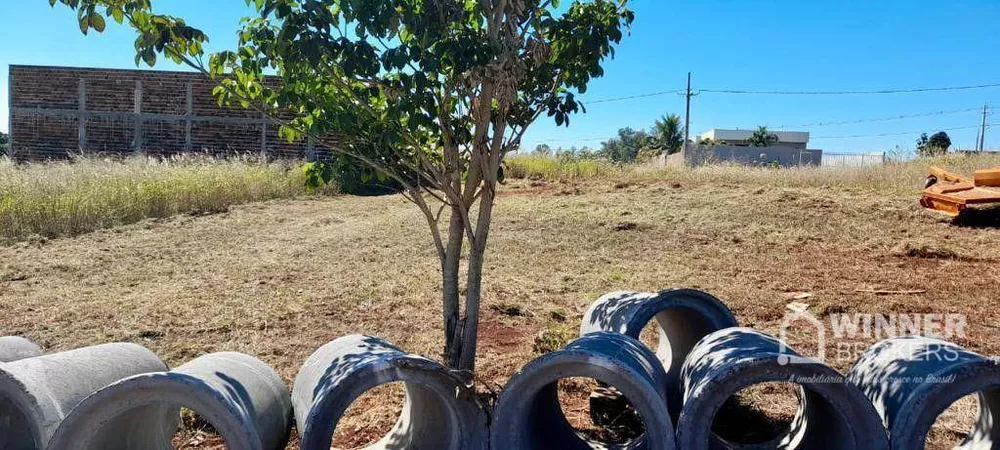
(720, 134)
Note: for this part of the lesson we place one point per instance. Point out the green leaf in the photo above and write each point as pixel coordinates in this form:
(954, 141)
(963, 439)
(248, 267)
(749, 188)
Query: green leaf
(97, 22)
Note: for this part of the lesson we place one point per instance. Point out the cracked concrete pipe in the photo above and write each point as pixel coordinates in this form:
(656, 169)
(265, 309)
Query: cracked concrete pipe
(37, 393)
(528, 416)
(832, 414)
(912, 380)
(13, 348)
(684, 317)
(439, 411)
(242, 397)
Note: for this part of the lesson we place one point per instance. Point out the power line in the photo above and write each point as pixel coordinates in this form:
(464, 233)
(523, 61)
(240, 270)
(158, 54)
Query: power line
(899, 134)
(859, 92)
(881, 119)
(631, 97)
(784, 92)
(851, 136)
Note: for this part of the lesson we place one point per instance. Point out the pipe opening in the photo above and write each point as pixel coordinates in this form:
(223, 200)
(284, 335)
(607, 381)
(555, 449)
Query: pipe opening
(677, 330)
(759, 414)
(971, 422)
(598, 412)
(402, 415)
(195, 432)
(15, 427)
(371, 417)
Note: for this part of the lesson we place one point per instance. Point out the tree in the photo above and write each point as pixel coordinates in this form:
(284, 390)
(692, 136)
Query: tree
(430, 93)
(4, 144)
(543, 150)
(625, 148)
(668, 134)
(762, 138)
(936, 145)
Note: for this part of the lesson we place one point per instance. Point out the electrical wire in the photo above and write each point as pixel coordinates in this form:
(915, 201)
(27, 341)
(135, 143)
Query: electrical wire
(852, 136)
(883, 119)
(784, 92)
(631, 97)
(858, 92)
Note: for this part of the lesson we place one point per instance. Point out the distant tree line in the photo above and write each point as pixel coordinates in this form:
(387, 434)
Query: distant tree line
(666, 136)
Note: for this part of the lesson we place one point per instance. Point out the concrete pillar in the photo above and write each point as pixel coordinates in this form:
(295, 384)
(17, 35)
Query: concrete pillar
(527, 415)
(310, 149)
(13, 348)
(189, 112)
(440, 412)
(37, 393)
(137, 120)
(684, 317)
(833, 414)
(263, 136)
(82, 118)
(912, 380)
(242, 397)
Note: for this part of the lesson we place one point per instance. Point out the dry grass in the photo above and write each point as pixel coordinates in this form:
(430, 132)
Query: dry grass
(279, 279)
(65, 199)
(552, 169)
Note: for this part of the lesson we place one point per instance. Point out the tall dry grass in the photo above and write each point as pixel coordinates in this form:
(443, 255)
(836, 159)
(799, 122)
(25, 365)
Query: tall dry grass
(556, 169)
(891, 178)
(73, 197)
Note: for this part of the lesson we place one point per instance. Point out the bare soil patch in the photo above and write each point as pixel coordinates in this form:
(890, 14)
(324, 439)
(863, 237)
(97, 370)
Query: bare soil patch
(279, 279)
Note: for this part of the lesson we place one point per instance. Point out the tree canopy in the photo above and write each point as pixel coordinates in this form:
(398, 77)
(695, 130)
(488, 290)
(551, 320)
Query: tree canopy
(626, 147)
(432, 94)
(668, 134)
(937, 144)
(761, 137)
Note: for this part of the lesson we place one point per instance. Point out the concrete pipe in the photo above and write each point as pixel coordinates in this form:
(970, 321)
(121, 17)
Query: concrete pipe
(912, 380)
(37, 393)
(242, 397)
(13, 348)
(528, 416)
(832, 414)
(684, 317)
(439, 411)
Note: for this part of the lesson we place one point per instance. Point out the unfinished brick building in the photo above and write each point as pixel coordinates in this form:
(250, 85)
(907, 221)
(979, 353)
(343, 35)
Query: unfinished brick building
(59, 111)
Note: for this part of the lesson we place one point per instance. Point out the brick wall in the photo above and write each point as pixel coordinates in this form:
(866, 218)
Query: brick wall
(58, 111)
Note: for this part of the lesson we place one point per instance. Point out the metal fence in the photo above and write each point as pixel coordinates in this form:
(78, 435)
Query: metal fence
(853, 159)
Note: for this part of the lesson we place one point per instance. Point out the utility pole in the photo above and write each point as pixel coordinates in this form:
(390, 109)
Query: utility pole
(982, 130)
(687, 115)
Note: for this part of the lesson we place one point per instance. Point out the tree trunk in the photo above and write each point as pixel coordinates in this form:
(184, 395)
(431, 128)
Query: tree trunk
(449, 289)
(474, 282)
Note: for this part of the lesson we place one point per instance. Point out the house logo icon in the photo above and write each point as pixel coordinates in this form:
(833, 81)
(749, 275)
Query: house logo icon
(799, 312)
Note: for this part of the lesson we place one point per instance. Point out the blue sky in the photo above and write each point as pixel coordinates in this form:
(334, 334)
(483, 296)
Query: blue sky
(772, 45)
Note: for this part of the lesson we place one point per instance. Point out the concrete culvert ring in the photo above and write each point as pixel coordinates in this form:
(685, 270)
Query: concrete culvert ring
(37, 393)
(913, 380)
(439, 411)
(13, 348)
(832, 414)
(683, 316)
(528, 416)
(240, 396)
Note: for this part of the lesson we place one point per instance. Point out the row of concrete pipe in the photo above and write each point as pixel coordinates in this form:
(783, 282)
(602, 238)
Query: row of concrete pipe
(123, 397)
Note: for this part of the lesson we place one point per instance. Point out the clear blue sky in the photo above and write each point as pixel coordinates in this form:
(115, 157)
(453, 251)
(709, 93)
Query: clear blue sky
(773, 45)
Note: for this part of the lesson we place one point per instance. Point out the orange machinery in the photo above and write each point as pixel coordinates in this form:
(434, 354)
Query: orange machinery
(951, 193)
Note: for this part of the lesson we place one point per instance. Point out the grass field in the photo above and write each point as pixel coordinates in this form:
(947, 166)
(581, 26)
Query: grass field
(277, 279)
(43, 201)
